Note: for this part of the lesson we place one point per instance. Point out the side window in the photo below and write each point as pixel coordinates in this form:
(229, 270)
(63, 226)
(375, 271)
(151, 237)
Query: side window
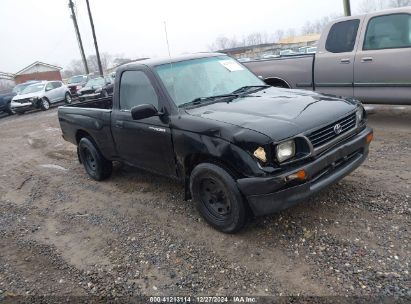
(49, 86)
(136, 89)
(342, 35)
(388, 32)
(56, 84)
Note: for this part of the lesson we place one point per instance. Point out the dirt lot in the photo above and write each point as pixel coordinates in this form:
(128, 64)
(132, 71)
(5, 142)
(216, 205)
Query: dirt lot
(64, 234)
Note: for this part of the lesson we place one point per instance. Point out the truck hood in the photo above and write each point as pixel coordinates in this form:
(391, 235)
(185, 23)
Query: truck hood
(278, 113)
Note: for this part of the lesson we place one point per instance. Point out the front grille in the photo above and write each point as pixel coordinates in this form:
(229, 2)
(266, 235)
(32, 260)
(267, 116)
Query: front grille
(326, 134)
(87, 92)
(25, 100)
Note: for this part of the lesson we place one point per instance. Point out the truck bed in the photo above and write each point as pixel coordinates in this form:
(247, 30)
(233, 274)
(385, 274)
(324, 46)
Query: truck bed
(92, 117)
(295, 70)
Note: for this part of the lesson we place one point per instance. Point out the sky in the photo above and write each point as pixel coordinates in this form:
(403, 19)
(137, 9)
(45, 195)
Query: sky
(42, 30)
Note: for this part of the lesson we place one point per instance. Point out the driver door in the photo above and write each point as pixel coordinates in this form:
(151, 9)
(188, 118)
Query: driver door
(144, 143)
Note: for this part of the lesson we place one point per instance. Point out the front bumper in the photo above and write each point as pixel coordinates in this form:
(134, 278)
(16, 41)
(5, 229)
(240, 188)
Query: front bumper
(267, 195)
(90, 96)
(18, 107)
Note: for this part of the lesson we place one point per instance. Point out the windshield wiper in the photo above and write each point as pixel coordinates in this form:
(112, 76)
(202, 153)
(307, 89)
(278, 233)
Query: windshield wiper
(200, 100)
(249, 89)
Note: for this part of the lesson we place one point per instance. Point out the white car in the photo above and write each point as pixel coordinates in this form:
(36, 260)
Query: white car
(40, 96)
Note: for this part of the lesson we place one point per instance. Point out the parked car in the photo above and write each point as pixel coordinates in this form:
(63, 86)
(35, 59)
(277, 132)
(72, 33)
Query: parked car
(288, 53)
(233, 141)
(40, 96)
(97, 87)
(365, 57)
(311, 50)
(7, 95)
(76, 83)
(244, 59)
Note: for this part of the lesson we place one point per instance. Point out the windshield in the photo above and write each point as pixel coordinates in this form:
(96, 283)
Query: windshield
(96, 82)
(33, 88)
(201, 78)
(17, 89)
(76, 79)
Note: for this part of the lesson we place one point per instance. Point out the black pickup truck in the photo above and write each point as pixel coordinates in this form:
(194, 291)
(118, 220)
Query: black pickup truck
(238, 146)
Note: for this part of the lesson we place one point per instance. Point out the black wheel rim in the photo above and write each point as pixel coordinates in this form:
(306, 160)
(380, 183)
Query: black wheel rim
(89, 160)
(214, 198)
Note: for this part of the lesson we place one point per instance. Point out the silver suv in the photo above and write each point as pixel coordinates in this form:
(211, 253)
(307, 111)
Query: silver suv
(40, 96)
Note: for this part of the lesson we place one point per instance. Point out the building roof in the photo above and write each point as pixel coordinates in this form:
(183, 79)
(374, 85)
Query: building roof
(38, 63)
(4, 75)
(300, 39)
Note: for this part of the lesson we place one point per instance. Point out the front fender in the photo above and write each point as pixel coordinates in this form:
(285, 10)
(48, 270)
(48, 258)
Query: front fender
(188, 144)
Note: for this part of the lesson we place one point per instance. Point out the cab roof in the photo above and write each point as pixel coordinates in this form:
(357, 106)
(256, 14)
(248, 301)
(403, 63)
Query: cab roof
(152, 62)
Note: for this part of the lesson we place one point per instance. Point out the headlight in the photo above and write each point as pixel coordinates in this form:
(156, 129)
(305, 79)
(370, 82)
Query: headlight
(78, 87)
(98, 90)
(285, 150)
(360, 114)
(33, 99)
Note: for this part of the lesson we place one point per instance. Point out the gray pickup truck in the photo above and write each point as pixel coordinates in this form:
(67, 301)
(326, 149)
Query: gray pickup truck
(365, 57)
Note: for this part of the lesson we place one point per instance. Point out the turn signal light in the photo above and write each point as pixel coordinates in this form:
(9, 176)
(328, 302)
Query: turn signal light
(370, 137)
(301, 175)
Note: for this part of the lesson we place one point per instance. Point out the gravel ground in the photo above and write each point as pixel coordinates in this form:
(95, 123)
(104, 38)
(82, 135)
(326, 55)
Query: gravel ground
(62, 234)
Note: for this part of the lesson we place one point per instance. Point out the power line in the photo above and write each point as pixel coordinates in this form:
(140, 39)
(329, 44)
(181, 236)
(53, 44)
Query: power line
(80, 43)
(347, 7)
(100, 68)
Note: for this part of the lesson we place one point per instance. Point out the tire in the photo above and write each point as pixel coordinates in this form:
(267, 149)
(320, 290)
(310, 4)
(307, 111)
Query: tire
(217, 198)
(44, 104)
(9, 110)
(97, 167)
(67, 98)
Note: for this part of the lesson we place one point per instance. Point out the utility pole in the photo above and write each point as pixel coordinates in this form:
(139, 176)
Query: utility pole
(100, 68)
(80, 43)
(347, 7)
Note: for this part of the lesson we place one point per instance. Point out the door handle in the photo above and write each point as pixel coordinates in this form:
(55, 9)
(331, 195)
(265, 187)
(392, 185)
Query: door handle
(119, 124)
(345, 60)
(367, 59)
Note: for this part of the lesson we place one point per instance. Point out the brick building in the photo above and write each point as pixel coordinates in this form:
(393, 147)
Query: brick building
(38, 71)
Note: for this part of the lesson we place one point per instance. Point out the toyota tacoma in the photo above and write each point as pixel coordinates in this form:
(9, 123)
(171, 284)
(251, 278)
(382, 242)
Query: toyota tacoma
(238, 146)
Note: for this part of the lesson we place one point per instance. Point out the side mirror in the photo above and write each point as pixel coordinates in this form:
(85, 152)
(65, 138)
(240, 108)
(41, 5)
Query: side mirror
(143, 111)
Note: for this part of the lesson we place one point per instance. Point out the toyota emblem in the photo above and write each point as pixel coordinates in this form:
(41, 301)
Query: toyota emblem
(337, 129)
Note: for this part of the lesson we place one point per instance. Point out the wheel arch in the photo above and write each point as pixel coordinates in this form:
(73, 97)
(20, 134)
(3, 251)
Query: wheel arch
(194, 159)
(277, 82)
(81, 134)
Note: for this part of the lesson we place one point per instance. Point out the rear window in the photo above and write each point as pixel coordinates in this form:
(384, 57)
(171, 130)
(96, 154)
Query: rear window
(342, 36)
(388, 32)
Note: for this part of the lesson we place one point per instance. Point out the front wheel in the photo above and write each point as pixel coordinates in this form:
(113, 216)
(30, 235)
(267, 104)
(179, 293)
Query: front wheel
(67, 98)
(44, 104)
(217, 198)
(96, 165)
